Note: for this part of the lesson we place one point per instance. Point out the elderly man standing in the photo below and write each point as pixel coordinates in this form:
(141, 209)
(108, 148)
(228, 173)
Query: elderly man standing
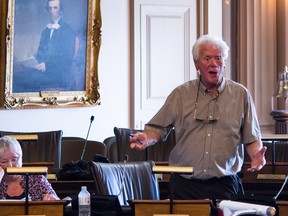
(214, 119)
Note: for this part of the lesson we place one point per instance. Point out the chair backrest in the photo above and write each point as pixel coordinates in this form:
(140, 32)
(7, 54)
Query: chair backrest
(123, 145)
(111, 146)
(161, 150)
(46, 148)
(130, 181)
(158, 152)
(72, 149)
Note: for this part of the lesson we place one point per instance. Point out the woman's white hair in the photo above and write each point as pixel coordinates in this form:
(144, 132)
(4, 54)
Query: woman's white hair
(204, 39)
(13, 145)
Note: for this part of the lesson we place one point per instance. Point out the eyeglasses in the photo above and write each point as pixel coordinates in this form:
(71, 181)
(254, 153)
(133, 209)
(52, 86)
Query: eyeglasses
(13, 161)
(213, 110)
(218, 59)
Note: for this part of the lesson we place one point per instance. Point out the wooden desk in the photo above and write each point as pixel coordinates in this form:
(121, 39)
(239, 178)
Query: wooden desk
(259, 187)
(274, 138)
(47, 208)
(186, 207)
(21, 137)
(49, 165)
(266, 187)
(278, 170)
(69, 188)
(283, 208)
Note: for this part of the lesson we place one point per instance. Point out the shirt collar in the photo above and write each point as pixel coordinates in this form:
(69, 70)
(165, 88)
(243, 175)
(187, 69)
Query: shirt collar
(204, 90)
(56, 21)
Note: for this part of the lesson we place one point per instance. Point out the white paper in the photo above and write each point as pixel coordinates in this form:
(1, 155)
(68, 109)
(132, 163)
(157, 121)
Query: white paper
(31, 62)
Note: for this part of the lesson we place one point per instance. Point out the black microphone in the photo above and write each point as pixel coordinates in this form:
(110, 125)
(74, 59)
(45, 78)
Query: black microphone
(86, 140)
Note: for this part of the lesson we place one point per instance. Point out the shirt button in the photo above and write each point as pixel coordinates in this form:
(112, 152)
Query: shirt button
(206, 152)
(205, 170)
(208, 134)
(210, 117)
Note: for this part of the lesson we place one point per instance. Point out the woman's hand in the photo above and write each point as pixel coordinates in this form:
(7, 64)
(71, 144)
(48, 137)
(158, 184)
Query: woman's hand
(50, 197)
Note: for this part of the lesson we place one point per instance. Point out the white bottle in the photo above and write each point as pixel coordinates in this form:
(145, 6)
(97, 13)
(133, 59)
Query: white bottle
(84, 202)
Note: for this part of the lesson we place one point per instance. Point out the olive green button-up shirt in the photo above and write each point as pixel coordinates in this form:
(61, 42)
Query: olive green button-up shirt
(210, 130)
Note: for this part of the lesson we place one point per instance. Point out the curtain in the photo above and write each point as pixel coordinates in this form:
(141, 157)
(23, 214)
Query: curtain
(257, 55)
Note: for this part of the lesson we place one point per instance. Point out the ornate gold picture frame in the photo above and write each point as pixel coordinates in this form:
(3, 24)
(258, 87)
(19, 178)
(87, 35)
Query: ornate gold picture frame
(68, 75)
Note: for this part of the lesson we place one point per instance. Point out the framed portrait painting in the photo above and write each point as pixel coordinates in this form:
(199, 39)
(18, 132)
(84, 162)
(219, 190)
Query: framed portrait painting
(49, 53)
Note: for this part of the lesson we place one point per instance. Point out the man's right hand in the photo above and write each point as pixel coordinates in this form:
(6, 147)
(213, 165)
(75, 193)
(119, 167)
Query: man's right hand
(141, 140)
(138, 141)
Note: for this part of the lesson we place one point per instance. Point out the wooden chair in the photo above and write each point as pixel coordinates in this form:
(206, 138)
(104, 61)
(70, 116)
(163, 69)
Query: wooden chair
(45, 147)
(111, 146)
(129, 181)
(123, 145)
(158, 152)
(72, 149)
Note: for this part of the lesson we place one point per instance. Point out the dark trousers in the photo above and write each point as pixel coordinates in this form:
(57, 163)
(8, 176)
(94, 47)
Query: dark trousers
(214, 188)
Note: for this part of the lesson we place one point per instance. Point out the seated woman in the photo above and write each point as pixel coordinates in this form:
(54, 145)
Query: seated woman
(13, 186)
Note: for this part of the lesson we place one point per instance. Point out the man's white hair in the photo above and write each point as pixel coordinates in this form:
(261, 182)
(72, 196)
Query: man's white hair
(204, 39)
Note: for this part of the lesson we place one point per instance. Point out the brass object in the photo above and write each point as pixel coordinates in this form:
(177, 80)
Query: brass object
(280, 103)
(280, 97)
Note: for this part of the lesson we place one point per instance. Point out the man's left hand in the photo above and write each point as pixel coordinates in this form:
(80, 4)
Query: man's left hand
(258, 161)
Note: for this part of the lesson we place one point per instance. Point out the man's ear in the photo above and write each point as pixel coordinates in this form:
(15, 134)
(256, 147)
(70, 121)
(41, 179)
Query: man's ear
(196, 65)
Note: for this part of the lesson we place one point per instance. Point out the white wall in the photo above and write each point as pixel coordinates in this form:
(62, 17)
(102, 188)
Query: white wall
(114, 87)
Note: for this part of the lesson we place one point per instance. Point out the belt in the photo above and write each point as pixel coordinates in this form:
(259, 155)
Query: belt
(211, 180)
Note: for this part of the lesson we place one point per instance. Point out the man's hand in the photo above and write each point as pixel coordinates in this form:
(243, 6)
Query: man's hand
(258, 161)
(42, 67)
(141, 140)
(138, 141)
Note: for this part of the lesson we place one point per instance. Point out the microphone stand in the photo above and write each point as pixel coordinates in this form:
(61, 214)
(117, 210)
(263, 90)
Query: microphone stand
(86, 140)
(26, 193)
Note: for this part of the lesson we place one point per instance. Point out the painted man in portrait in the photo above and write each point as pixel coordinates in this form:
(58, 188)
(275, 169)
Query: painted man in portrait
(50, 69)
